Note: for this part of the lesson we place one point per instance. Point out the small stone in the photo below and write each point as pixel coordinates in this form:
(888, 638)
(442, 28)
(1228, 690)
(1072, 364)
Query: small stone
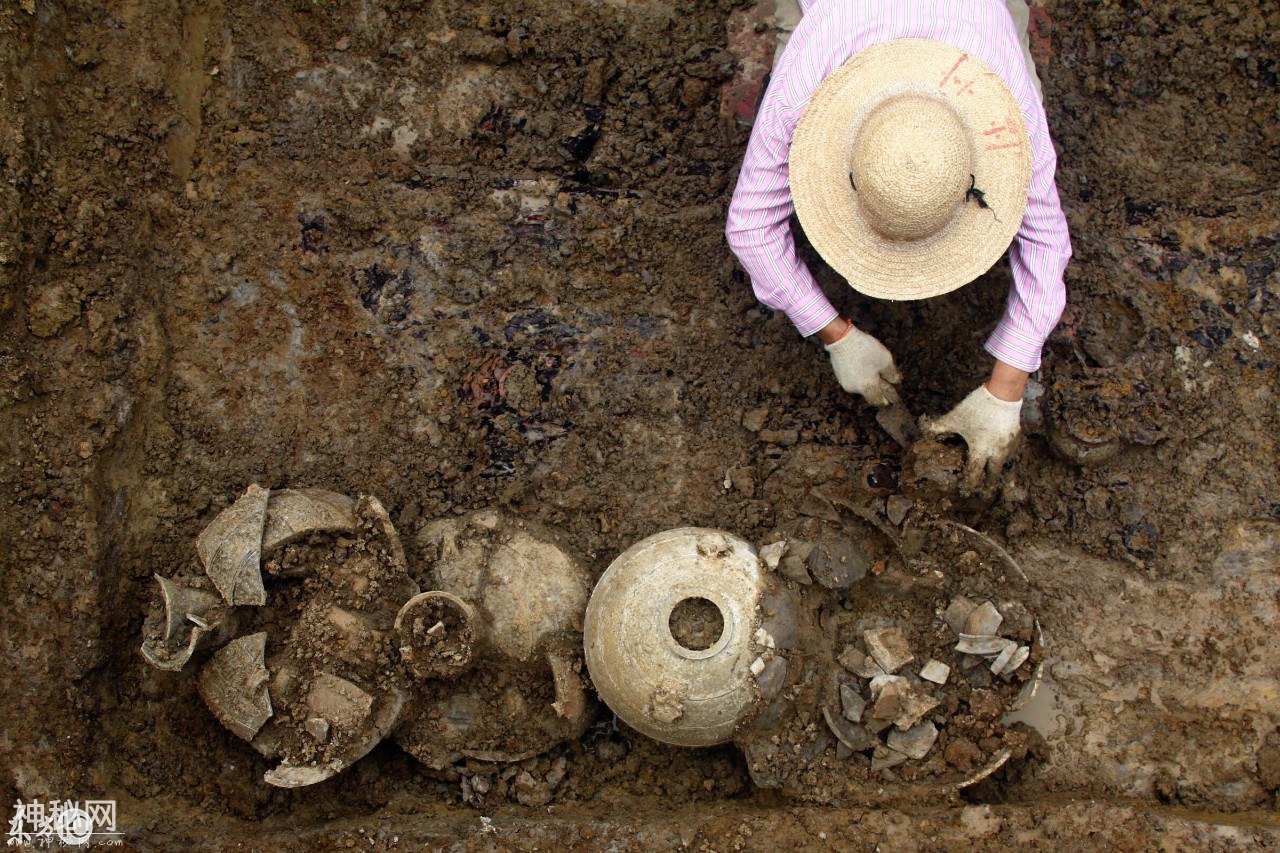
(896, 509)
(852, 703)
(958, 612)
(889, 648)
(915, 741)
(318, 728)
(757, 666)
(817, 505)
(754, 419)
(984, 620)
(884, 758)
(763, 638)
(51, 307)
(772, 553)
(782, 437)
(859, 664)
(935, 671)
(983, 645)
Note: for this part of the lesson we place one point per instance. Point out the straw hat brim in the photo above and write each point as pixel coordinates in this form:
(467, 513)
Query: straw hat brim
(825, 199)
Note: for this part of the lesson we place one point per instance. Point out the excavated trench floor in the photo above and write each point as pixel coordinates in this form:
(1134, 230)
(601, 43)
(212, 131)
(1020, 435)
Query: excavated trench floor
(469, 255)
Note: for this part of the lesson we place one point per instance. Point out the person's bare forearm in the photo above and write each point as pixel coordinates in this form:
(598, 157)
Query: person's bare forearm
(1007, 383)
(834, 330)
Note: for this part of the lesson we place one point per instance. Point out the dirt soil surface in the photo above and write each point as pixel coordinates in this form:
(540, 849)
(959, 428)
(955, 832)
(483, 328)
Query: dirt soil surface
(461, 255)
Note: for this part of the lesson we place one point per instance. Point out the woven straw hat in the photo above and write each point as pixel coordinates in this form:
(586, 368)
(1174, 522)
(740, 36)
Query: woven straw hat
(883, 160)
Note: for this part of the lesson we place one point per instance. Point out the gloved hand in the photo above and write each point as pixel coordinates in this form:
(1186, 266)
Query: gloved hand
(863, 366)
(988, 425)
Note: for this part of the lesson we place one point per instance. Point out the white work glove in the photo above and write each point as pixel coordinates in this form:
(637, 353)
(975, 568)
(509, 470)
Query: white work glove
(988, 425)
(863, 366)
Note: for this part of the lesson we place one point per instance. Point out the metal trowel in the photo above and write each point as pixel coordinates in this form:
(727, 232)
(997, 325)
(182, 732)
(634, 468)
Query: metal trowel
(896, 420)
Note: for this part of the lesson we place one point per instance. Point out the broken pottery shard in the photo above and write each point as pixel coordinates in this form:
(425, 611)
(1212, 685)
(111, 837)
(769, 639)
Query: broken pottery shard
(1016, 658)
(838, 565)
(318, 728)
(896, 509)
(884, 758)
(880, 682)
(571, 699)
(171, 656)
(294, 513)
(935, 671)
(231, 548)
(234, 685)
(1002, 659)
(193, 619)
(915, 705)
(288, 776)
(915, 741)
(855, 737)
(859, 663)
(984, 620)
(817, 505)
(794, 562)
(889, 648)
(338, 697)
(851, 703)
(339, 702)
(182, 602)
(957, 613)
(772, 553)
(978, 645)
(890, 699)
(368, 505)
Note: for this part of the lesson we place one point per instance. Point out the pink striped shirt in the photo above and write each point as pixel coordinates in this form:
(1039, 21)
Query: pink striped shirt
(830, 32)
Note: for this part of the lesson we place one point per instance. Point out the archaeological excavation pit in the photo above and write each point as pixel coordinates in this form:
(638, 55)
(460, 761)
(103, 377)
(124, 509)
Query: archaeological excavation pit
(449, 283)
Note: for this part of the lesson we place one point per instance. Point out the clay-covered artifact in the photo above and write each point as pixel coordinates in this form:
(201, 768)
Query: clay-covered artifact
(192, 619)
(697, 692)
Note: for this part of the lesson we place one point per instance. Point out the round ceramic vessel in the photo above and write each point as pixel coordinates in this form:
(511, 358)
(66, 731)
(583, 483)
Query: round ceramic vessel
(672, 693)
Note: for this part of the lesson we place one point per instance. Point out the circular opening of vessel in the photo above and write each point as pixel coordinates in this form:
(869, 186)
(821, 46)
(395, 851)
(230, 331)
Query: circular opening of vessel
(696, 623)
(437, 634)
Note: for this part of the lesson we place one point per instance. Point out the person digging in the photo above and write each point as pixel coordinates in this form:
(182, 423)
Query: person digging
(909, 138)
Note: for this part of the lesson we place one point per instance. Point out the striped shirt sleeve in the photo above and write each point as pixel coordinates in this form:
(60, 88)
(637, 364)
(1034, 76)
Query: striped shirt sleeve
(759, 229)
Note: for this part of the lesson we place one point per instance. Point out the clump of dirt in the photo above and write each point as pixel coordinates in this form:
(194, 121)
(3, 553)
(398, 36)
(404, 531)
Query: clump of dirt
(331, 650)
(436, 637)
(696, 623)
